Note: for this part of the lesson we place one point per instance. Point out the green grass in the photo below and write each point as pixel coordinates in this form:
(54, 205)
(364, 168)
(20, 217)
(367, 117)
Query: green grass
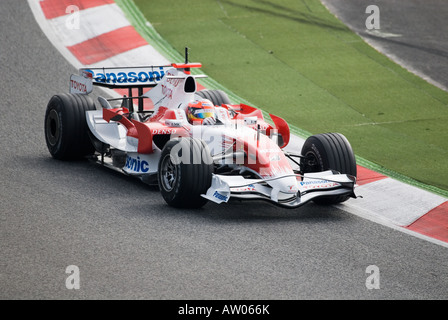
(296, 60)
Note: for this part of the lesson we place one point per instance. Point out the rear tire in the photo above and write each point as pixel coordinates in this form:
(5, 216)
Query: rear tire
(217, 97)
(66, 129)
(182, 178)
(328, 151)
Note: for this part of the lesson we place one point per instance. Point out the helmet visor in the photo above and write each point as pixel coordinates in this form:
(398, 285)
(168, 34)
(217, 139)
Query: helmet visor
(199, 113)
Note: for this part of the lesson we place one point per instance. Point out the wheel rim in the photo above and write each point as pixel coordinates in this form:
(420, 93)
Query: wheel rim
(168, 173)
(310, 163)
(52, 126)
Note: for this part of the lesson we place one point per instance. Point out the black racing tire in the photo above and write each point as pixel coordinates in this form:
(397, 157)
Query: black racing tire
(66, 129)
(328, 151)
(185, 172)
(217, 97)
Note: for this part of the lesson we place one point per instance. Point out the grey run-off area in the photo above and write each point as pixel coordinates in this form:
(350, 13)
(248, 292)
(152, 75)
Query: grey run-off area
(413, 33)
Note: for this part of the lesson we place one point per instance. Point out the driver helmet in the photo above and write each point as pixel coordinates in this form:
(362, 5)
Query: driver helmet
(197, 111)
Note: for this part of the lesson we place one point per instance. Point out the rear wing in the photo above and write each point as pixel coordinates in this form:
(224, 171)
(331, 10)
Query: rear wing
(116, 77)
(128, 78)
(125, 77)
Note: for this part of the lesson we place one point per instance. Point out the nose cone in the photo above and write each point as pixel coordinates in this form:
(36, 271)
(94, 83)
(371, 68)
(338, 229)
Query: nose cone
(265, 157)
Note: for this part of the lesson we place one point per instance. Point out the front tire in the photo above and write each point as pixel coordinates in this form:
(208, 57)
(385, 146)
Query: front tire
(185, 172)
(66, 129)
(328, 151)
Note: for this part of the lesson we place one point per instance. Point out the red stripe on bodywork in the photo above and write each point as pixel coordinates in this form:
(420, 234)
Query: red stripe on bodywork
(144, 137)
(107, 45)
(109, 114)
(366, 176)
(56, 8)
(434, 223)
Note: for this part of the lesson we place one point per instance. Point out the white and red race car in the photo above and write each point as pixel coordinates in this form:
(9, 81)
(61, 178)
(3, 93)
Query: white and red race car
(195, 152)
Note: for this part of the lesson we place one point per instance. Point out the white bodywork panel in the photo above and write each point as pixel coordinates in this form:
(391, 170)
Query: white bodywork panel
(140, 164)
(111, 133)
(170, 92)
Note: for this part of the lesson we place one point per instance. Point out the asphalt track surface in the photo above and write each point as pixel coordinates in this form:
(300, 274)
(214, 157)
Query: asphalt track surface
(413, 33)
(128, 244)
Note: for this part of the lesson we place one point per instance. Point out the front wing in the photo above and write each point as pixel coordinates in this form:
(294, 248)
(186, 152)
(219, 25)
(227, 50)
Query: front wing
(312, 186)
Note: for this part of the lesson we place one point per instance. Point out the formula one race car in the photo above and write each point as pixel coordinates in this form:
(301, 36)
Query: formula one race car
(196, 145)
